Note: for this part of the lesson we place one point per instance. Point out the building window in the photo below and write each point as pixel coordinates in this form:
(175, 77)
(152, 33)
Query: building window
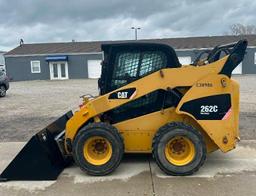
(35, 67)
(255, 58)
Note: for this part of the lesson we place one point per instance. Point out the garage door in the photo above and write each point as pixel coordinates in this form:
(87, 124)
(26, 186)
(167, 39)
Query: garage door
(94, 68)
(184, 60)
(238, 69)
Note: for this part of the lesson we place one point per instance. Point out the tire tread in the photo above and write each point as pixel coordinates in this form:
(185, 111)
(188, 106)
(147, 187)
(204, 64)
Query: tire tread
(166, 128)
(104, 126)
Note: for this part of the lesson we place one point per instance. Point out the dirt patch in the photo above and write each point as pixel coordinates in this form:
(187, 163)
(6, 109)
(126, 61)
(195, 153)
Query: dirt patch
(32, 105)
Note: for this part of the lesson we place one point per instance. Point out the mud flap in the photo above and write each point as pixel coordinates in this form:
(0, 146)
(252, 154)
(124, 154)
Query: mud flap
(41, 158)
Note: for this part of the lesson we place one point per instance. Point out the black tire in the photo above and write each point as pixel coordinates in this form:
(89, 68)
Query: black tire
(102, 130)
(164, 135)
(2, 91)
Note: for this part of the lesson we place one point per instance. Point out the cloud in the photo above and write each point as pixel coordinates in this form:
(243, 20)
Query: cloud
(64, 20)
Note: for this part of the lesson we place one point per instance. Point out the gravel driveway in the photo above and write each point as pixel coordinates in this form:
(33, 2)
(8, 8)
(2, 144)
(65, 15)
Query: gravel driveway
(29, 106)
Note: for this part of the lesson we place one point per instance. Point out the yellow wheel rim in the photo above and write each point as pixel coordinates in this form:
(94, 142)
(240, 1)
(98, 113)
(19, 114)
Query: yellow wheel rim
(180, 151)
(97, 150)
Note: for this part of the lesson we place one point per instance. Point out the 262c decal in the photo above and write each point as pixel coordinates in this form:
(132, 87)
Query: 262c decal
(207, 109)
(212, 107)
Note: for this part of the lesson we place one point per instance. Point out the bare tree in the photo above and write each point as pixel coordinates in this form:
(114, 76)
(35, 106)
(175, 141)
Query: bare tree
(241, 29)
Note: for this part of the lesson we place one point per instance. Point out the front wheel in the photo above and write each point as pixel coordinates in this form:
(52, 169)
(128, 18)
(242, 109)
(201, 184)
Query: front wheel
(179, 149)
(98, 149)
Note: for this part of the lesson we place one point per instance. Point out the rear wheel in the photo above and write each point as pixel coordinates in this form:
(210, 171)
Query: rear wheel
(98, 149)
(179, 149)
(2, 91)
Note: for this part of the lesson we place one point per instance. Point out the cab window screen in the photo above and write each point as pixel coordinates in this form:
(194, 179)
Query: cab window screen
(152, 61)
(126, 67)
(130, 66)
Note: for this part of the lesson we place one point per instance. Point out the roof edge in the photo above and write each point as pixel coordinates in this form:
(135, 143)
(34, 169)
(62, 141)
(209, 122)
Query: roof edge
(149, 40)
(49, 54)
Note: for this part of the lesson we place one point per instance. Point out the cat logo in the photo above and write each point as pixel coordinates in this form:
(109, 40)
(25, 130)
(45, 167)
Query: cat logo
(122, 95)
(128, 93)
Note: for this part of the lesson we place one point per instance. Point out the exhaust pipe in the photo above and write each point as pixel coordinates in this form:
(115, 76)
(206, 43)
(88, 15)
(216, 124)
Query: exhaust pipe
(43, 157)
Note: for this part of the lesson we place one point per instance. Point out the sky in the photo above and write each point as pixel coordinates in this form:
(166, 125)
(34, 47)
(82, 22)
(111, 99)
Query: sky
(37, 21)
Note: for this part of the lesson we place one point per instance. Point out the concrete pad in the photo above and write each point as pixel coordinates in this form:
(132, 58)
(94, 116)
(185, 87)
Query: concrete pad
(233, 173)
(132, 177)
(241, 159)
(136, 185)
(228, 185)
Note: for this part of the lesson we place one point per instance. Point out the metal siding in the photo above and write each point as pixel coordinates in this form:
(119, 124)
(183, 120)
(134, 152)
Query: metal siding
(19, 68)
(186, 53)
(248, 63)
(78, 67)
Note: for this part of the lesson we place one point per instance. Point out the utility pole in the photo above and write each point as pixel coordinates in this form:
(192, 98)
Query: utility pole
(136, 31)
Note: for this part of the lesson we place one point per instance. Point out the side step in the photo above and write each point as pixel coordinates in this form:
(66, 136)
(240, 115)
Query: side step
(41, 158)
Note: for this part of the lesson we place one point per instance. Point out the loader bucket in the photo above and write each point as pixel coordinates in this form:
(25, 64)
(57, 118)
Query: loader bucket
(41, 158)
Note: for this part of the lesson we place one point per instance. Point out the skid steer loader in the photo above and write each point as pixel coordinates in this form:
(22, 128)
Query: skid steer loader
(148, 103)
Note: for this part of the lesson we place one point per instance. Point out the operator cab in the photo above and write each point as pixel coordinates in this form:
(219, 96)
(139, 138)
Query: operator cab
(126, 62)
